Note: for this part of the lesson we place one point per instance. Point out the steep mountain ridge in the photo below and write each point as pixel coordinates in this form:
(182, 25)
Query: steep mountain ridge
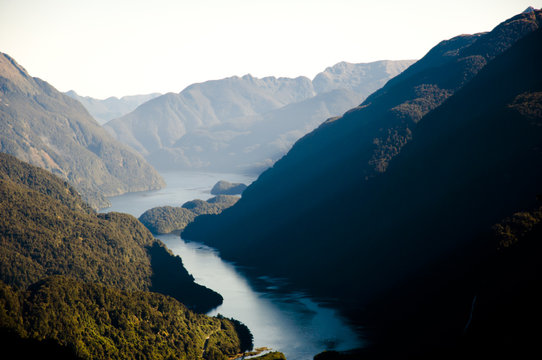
(419, 169)
(40, 125)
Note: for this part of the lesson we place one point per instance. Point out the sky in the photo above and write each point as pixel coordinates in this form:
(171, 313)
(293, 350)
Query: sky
(103, 48)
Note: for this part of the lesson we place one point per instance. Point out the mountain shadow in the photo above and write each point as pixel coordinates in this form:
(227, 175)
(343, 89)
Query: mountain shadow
(368, 203)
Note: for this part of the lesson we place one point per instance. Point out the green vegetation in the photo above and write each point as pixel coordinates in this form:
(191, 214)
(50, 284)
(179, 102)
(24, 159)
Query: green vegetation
(99, 322)
(46, 229)
(78, 284)
(509, 231)
(274, 355)
(166, 219)
(40, 125)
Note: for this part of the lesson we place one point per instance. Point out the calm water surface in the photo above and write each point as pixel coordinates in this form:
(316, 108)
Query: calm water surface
(282, 320)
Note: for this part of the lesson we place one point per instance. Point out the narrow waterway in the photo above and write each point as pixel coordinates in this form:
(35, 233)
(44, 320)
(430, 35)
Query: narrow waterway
(285, 321)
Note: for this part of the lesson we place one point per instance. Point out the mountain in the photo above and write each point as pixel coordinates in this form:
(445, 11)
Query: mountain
(166, 219)
(40, 125)
(112, 107)
(363, 79)
(46, 229)
(243, 124)
(369, 204)
(62, 316)
(94, 285)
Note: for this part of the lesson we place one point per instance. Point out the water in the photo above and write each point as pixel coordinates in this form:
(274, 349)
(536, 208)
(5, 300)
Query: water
(182, 186)
(285, 321)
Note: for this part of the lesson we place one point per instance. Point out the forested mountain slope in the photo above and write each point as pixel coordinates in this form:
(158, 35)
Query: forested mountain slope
(78, 284)
(46, 229)
(369, 201)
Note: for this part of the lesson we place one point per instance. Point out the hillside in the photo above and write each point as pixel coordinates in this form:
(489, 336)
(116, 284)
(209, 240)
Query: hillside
(90, 321)
(112, 107)
(166, 219)
(418, 171)
(46, 229)
(78, 284)
(40, 125)
(243, 124)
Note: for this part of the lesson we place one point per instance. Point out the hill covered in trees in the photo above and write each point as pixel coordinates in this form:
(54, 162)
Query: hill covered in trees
(98, 322)
(46, 229)
(410, 178)
(166, 219)
(80, 283)
(40, 125)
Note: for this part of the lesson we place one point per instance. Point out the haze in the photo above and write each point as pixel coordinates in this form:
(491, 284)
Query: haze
(115, 48)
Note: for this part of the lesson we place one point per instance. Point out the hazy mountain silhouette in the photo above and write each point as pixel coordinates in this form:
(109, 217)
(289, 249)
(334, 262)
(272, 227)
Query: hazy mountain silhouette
(363, 78)
(40, 125)
(244, 124)
(372, 200)
(112, 107)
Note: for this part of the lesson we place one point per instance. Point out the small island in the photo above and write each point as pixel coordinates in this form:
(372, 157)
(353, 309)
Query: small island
(227, 188)
(167, 219)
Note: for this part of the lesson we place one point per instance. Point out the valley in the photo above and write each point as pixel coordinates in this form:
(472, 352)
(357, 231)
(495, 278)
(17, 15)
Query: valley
(388, 209)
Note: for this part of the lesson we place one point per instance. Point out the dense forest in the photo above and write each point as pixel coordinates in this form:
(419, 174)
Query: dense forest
(46, 229)
(364, 208)
(80, 283)
(98, 322)
(166, 219)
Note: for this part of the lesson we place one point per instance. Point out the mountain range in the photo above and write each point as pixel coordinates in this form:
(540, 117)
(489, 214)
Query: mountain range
(112, 107)
(387, 211)
(40, 125)
(244, 124)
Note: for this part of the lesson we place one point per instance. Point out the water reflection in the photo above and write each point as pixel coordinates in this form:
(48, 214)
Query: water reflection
(286, 321)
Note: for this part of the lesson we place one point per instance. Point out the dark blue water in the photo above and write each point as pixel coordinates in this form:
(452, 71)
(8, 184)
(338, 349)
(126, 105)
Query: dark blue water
(286, 321)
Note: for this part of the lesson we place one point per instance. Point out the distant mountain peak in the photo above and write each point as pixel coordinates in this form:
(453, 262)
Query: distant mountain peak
(529, 10)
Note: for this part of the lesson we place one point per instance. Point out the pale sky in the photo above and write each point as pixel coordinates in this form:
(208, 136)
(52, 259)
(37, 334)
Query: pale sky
(104, 48)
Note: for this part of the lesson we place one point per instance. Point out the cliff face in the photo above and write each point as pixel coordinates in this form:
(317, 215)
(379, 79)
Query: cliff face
(40, 125)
